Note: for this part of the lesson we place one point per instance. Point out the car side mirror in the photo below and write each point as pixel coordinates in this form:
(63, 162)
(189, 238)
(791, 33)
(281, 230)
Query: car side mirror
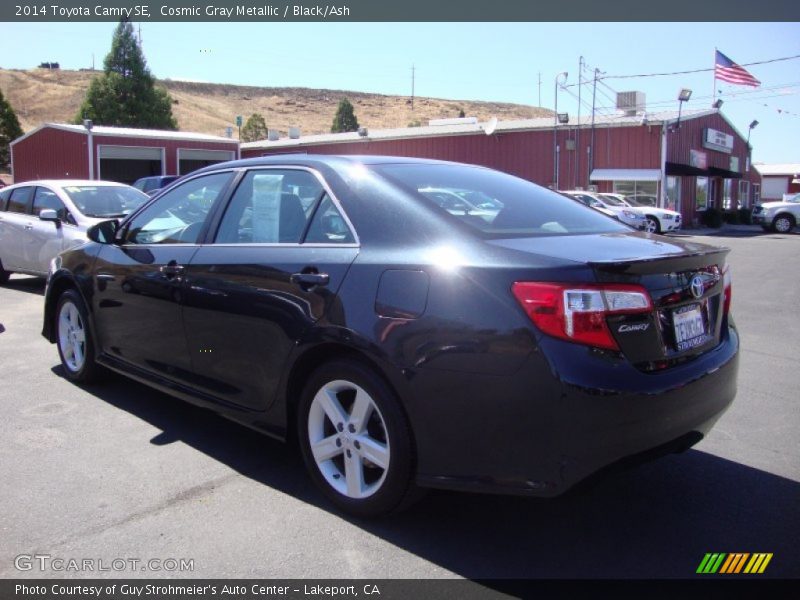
(103, 232)
(49, 214)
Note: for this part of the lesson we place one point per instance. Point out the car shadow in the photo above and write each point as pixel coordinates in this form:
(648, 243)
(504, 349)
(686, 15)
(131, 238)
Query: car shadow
(26, 283)
(655, 521)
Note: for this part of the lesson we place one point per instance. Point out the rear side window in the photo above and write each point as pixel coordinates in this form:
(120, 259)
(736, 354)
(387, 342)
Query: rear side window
(270, 206)
(328, 225)
(4, 194)
(496, 204)
(19, 201)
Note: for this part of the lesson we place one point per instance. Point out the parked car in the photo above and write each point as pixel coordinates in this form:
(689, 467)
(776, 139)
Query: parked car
(404, 345)
(657, 220)
(780, 216)
(150, 185)
(39, 219)
(622, 213)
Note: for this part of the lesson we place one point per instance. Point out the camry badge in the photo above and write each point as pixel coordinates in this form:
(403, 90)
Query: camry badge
(696, 286)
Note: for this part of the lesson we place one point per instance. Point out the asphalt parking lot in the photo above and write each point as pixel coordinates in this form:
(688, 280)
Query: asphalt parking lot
(122, 472)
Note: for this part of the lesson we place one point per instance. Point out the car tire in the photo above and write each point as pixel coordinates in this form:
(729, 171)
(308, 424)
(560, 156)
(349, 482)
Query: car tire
(652, 225)
(74, 339)
(783, 223)
(356, 441)
(4, 275)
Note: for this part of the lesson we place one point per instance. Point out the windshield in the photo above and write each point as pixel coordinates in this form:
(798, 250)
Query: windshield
(509, 206)
(613, 201)
(105, 202)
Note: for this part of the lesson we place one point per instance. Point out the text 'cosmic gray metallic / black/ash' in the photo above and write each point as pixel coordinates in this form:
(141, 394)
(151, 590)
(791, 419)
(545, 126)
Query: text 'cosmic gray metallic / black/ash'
(412, 323)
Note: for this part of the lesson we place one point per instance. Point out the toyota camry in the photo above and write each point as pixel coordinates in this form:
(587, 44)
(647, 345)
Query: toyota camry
(405, 344)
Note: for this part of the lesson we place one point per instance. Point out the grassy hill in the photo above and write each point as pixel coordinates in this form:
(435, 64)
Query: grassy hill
(40, 96)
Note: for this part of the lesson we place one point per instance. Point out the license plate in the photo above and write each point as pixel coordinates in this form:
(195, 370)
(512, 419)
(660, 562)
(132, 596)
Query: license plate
(690, 329)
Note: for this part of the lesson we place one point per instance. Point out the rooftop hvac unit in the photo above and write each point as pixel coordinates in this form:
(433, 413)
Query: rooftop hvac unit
(631, 103)
(273, 135)
(294, 133)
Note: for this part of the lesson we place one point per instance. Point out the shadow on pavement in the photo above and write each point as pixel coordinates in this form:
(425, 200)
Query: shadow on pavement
(656, 521)
(25, 283)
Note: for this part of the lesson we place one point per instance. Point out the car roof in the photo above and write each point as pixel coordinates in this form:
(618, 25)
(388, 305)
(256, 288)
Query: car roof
(330, 160)
(70, 182)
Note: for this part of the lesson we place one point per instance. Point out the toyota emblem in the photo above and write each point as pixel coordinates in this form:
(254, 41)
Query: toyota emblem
(696, 286)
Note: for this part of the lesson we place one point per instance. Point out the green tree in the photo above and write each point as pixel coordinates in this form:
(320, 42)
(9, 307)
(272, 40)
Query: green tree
(125, 94)
(254, 129)
(9, 129)
(345, 119)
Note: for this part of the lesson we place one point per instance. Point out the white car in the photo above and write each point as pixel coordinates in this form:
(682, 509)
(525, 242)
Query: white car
(622, 213)
(778, 216)
(40, 219)
(657, 220)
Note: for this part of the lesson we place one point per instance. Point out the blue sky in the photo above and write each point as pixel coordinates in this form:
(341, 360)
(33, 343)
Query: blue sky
(465, 61)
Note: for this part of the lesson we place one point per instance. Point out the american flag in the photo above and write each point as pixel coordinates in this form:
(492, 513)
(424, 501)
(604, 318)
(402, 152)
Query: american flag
(727, 70)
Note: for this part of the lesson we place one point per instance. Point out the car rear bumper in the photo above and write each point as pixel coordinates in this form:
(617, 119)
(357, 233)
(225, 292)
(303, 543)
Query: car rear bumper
(540, 438)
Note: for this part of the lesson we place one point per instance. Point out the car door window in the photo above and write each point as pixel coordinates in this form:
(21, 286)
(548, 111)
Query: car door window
(270, 206)
(45, 198)
(19, 201)
(178, 216)
(328, 225)
(4, 194)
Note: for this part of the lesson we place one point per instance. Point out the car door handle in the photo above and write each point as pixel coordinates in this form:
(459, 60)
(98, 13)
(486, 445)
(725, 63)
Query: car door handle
(309, 280)
(171, 269)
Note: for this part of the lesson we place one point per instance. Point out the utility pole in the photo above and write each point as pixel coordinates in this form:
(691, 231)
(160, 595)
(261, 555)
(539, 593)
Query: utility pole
(540, 88)
(578, 126)
(591, 147)
(413, 73)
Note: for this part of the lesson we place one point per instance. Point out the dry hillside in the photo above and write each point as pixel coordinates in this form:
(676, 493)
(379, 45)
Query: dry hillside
(40, 96)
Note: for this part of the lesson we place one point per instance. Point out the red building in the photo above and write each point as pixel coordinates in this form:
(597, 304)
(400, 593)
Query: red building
(693, 163)
(60, 151)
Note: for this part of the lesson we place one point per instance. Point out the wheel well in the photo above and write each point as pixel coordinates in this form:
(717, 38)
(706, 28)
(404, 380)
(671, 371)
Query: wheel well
(57, 287)
(790, 216)
(308, 363)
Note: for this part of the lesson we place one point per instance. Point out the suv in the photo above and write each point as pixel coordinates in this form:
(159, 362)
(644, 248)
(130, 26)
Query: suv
(150, 185)
(778, 216)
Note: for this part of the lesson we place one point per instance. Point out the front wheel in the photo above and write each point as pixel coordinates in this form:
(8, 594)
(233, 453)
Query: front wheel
(355, 440)
(4, 275)
(783, 223)
(651, 225)
(74, 340)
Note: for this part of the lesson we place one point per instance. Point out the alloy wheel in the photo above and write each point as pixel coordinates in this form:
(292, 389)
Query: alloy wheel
(348, 439)
(71, 336)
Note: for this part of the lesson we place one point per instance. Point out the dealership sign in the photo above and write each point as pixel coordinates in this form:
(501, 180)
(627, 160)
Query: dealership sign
(717, 140)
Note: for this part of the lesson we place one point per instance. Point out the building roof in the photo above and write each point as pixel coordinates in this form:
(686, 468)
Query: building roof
(792, 169)
(106, 131)
(615, 120)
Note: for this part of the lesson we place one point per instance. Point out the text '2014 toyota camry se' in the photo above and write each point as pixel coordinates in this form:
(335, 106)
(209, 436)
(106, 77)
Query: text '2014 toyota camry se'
(412, 323)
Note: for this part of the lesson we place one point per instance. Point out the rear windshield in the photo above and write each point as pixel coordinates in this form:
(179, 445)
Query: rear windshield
(495, 204)
(105, 201)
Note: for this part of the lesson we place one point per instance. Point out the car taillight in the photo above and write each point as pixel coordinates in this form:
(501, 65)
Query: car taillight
(577, 312)
(726, 281)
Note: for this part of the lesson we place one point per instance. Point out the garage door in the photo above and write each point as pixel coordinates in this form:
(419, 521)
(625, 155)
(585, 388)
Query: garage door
(191, 160)
(126, 164)
(773, 188)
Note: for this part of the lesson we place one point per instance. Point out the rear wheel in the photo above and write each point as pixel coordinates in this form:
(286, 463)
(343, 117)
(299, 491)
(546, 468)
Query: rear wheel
(355, 440)
(74, 339)
(783, 223)
(651, 225)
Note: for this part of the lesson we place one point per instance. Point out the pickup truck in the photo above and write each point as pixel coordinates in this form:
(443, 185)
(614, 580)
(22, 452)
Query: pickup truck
(780, 216)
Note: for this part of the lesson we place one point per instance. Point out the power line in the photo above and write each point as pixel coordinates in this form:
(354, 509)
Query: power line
(761, 62)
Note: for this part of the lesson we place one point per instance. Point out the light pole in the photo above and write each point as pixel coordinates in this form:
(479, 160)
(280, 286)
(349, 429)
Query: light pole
(753, 125)
(555, 130)
(683, 96)
(87, 123)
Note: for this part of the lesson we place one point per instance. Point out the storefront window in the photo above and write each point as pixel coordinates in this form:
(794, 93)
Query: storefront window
(727, 194)
(744, 194)
(673, 193)
(644, 192)
(701, 193)
(756, 193)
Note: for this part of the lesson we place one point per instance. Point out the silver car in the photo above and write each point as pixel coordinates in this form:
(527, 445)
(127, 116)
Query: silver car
(39, 219)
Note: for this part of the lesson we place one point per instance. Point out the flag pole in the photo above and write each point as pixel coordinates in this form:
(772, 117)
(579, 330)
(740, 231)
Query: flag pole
(714, 93)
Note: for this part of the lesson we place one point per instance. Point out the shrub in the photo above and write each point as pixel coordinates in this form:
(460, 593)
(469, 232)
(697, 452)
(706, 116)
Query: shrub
(711, 217)
(745, 216)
